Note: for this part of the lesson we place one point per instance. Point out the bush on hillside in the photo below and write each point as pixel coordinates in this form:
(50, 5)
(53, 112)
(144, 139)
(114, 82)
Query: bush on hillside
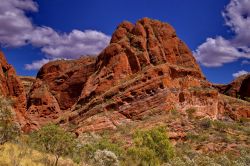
(105, 158)
(151, 147)
(53, 139)
(9, 130)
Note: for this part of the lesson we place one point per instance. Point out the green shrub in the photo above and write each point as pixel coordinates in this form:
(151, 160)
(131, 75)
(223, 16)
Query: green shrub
(53, 139)
(219, 125)
(105, 158)
(142, 156)
(89, 150)
(192, 136)
(201, 137)
(9, 130)
(157, 140)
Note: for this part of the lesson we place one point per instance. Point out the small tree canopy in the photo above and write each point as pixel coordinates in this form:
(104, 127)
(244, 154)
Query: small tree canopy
(156, 140)
(53, 139)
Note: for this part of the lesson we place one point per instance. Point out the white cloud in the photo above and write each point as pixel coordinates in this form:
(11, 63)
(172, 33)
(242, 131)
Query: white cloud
(72, 45)
(237, 16)
(15, 26)
(240, 73)
(16, 30)
(36, 64)
(217, 51)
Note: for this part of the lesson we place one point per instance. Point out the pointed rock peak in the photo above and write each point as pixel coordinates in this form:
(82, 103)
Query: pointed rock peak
(3, 60)
(148, 42)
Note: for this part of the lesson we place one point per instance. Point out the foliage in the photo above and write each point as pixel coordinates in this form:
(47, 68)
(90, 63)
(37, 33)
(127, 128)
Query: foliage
(220, 125)
(154, 142)
(9, 130)
(207, 160)
(21, 154)
(150, 147)
(206, 123)
(142, 156)
(53, 139)
(105, 158)
(89, 150)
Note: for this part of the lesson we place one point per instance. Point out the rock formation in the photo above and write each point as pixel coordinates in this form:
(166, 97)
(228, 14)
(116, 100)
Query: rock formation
(238, 88)
(27, 82)
(57, 88)
(145, 71)
(11, 87)
(146, 67)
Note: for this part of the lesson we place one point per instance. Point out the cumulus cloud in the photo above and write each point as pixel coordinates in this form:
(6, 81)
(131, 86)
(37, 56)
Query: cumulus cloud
(18, 30)
(74, 44)
(240, 73)
(15, 26)
(218, 51)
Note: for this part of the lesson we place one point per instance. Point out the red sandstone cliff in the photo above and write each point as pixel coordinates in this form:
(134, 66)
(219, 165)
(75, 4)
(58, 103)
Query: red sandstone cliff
(146, 71)
(11, 87)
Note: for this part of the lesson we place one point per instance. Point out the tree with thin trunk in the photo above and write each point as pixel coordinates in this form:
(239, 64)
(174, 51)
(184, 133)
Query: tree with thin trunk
(53, 139)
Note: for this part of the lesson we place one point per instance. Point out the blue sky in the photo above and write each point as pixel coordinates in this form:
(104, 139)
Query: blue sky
(45, 24)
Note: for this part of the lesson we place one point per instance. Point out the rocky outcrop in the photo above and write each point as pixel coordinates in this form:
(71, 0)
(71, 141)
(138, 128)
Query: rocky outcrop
(238, 88)
(27, 82)
(11, 87)
(146, 70)
(57, 88)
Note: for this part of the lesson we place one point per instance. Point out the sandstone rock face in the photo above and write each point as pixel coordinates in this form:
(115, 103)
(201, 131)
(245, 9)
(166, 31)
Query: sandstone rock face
(11, 86)
(239, 88)
(27, 82)
(42, 105)
(57, 88)
(146, 70)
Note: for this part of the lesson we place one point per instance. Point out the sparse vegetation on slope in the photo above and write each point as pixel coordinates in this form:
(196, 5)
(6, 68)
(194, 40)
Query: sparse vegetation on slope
(53, 139)
(8, 128)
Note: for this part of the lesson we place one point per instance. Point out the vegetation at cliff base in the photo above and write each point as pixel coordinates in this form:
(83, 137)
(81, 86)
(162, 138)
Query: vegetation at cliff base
(9, 130)
(52, 145)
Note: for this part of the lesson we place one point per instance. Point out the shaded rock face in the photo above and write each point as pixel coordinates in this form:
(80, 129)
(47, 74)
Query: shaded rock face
(57, 87)
(42, 105)
(238, 88)
(244, 91)
(11, 87)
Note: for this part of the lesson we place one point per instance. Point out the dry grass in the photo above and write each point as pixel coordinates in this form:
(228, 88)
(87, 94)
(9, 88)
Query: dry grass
(20, 155)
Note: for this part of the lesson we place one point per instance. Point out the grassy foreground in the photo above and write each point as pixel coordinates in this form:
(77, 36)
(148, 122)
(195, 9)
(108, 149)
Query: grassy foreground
(15, 154)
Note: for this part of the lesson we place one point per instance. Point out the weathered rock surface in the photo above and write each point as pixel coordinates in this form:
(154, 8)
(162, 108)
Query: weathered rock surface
(238, 88)
(146, 70)
(27, 82)
(11, 87)
(57, 88)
